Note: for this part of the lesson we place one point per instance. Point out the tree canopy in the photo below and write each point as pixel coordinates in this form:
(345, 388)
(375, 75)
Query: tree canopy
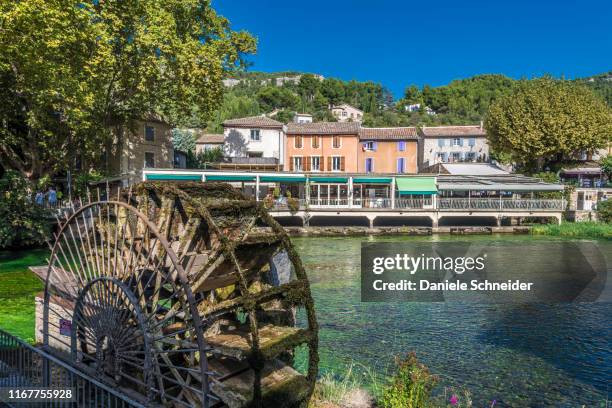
(545, 121)
(72, 71)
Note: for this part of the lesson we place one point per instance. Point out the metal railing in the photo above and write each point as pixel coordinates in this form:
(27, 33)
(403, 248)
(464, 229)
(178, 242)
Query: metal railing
(499, 204)
(449, 203)
(23, 366)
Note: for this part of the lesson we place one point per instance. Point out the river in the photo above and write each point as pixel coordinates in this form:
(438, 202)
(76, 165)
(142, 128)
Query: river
(520, 355)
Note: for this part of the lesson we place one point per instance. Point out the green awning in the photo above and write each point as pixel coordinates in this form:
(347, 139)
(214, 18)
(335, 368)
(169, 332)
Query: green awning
(372, 180)
(279, 179)
(329, 179)
(416, 185)
(191, 177)
(219, 177)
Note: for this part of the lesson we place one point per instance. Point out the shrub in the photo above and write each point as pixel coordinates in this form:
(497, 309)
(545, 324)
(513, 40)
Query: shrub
(22, 222)
(268, 202)
(293, 204)
(411, 385)
(604, 211)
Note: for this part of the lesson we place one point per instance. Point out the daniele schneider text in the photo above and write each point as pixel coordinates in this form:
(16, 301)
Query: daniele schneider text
(458, 265)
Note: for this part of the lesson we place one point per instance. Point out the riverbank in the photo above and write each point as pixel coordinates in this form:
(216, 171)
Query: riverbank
(585, 229)
(18, 286)
(339, 231)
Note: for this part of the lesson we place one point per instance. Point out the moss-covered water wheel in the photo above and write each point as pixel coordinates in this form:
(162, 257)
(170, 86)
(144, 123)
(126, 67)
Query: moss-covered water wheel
(203, 283)
(247, 281)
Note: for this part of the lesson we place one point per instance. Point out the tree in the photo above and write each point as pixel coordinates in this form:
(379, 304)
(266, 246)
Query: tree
(183, 140)
(412, 94)
(308, 86)
(606, 166)
(545, 121)
(72, 71)
(604, 211)
(24, 223)
(272, 97)
(333, 90)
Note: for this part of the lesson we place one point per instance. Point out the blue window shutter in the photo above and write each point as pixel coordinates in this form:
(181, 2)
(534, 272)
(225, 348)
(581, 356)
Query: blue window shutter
(374, 146)
(444, 157)
(461, 142)
(401, 145)
(440, 142)
(472, 141)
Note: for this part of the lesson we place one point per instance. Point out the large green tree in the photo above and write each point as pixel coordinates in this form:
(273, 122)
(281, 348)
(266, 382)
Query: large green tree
(72, 71)
(545, 121)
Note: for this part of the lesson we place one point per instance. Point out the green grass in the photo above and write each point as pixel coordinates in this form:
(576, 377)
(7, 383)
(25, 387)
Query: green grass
(575, 229)
(18, 286)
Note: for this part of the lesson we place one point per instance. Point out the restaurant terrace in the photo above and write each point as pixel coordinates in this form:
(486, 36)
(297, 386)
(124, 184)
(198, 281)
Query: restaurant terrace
(427, 196)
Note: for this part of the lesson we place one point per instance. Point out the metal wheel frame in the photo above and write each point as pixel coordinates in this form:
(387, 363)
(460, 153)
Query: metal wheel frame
(181, 281)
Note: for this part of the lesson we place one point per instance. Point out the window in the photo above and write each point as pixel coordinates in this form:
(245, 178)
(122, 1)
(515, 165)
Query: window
(255, 136)
(149, 160)
(344, 113)
(297, 164)
(456, 156)
(255, 154)
(457, 141)
(369, 165)
(297, 142)
(336, 142)
(336, 163)
(315, 163)
(401, 165)
(470, 156)
(401, 146)
(368, 146)
(315, 142)
(472, 142)
(149, 133)
(442, 157)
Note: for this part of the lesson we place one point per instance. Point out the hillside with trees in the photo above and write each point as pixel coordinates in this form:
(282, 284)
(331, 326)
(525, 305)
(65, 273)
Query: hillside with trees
(463, 101)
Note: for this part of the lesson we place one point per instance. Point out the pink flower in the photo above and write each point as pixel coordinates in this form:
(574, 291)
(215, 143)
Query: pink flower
(453, 399)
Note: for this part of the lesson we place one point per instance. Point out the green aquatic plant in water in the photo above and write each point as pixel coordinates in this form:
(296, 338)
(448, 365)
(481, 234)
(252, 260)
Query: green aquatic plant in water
(575, 229)
(18, 286)
(411, 386)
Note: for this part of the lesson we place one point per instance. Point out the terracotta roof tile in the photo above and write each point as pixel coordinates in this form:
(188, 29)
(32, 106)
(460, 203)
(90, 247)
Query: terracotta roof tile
(253, 121)
(437, 131)
(323, 128)
(391, 133)
(210, 138)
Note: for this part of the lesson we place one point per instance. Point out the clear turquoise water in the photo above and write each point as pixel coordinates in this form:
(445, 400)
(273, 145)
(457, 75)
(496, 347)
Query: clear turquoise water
(519, 355)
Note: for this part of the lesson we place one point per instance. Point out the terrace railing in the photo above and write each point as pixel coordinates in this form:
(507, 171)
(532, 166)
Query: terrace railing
(23, 366)
(500, 204)
(448, 203)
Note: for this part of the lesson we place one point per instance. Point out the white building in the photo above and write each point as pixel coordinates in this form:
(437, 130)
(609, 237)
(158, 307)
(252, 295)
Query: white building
(302, 118)
(347, 113)
(452, 144)
(415, 107)
(256, 139)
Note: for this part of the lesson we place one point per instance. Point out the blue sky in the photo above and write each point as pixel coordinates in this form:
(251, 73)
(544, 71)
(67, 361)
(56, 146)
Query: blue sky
(398, 43)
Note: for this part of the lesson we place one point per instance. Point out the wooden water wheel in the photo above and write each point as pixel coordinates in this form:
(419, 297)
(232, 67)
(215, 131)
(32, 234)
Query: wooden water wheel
(182, 295)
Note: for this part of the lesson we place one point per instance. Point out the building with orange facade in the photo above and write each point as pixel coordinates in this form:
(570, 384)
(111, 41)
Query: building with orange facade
(387, 150)
(322, 147)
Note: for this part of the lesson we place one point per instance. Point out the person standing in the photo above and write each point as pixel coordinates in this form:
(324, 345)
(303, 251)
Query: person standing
(39, 198)
(52, 197)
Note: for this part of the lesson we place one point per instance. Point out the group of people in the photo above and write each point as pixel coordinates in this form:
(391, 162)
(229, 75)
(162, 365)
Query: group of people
(51, 196)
